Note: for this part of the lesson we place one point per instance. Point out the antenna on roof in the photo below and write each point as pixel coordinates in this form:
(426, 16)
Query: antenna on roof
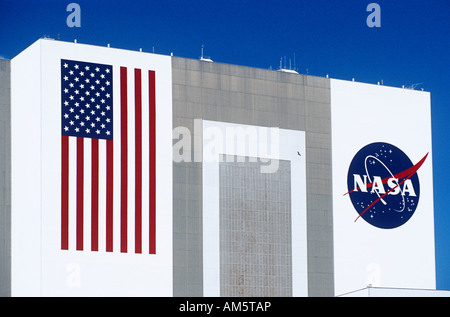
(205, 59)
(285, 67)
(413, 86)
(295, 66)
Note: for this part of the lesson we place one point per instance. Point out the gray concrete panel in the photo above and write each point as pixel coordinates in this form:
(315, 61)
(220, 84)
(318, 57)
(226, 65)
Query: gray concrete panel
(245, 95)
(5, 178)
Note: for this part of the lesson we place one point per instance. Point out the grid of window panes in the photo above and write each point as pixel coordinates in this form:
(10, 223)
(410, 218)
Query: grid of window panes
(255, 229)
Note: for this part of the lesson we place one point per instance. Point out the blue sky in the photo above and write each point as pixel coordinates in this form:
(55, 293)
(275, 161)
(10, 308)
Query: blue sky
(327, 37)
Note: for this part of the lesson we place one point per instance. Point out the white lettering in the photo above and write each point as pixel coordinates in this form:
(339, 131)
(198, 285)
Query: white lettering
(191, 307)
(181, 149)
(409, 188)
(374, 18)
(214, 144)
(73, 19)
(378, 185)
(246, 306)
(374, 274)
(74, 275)
(359, 183)
(393, 183)
(240, 140)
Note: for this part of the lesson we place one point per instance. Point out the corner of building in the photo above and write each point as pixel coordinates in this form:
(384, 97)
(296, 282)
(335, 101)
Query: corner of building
(5, 178)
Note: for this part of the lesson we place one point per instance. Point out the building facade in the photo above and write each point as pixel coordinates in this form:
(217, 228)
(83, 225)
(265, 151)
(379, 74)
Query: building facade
(5, 182)
(211, 179)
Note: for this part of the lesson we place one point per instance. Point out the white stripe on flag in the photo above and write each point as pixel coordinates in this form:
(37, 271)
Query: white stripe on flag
(145, 164)
(72, 192)
(87, 194)
(102, 196)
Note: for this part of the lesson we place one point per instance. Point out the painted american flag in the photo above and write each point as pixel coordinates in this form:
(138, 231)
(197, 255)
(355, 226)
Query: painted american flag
(108, 159)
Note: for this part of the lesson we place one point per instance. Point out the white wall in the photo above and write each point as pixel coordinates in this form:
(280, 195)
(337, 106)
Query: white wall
(365, 254)
(39, 266)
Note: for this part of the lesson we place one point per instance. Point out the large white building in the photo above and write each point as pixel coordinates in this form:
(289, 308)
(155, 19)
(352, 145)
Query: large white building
(129, 173)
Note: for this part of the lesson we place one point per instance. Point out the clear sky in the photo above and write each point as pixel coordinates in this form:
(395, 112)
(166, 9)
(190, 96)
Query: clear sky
(412, 47)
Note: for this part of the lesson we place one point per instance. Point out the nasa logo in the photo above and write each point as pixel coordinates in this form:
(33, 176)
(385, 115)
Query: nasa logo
(383, 185)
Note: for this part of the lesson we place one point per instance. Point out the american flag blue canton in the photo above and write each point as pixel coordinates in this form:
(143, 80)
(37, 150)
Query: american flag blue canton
(87, 100)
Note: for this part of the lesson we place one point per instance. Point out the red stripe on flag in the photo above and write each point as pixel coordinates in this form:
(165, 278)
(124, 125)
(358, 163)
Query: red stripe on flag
(138, 160)
(109, 194)
(123, 158)
(94, 196)
(80, 192)
(152, 158)
(64, 192)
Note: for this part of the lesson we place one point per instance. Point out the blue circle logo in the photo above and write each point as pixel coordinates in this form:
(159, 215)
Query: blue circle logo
(383, 185)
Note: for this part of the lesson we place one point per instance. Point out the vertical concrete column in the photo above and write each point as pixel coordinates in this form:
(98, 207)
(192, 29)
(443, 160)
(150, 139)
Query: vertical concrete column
(5, 178)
